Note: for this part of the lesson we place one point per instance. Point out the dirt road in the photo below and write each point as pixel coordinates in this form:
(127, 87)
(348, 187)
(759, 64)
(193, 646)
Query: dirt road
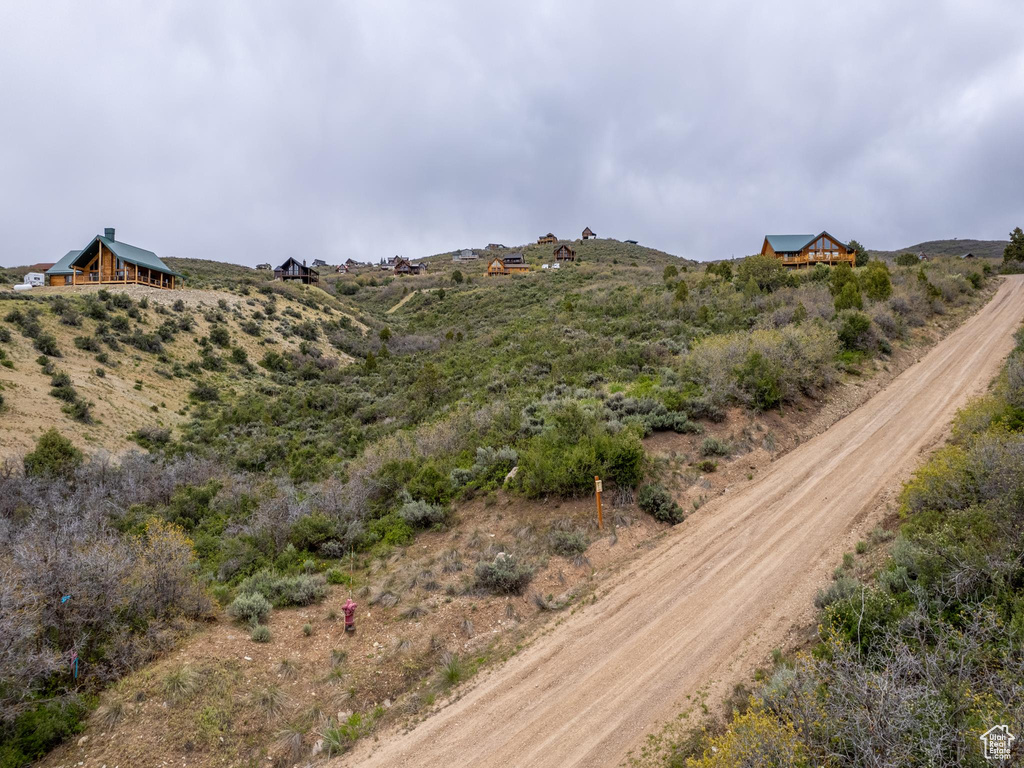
(725, 585)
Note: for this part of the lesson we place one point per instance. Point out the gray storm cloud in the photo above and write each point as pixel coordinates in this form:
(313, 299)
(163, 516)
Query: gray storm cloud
(249, 132)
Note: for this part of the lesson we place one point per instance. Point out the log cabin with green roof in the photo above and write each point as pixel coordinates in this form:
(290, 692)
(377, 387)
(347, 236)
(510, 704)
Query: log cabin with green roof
(807, 250)
(107, 261)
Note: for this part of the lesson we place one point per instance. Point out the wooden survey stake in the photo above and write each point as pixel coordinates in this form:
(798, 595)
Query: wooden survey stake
(597, 488)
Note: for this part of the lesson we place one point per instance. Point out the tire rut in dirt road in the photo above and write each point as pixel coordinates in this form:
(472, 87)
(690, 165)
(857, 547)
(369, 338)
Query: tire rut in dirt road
(725, 583)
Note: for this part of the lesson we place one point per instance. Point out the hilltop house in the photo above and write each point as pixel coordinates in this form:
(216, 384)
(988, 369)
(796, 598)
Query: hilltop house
(466, 254)
(968, 255)
(405, 267)
(292, 271)
(266, 267)
(548, 238)
(807, 250)
(511, 264)
(495, 247)
(319, 263)
(106, 260)
(588, 233)
(352, 263)
(565, 253)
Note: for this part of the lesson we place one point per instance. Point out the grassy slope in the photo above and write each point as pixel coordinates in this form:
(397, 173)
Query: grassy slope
(140, 388)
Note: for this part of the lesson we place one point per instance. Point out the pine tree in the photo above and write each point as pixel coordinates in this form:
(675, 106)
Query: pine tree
(1014, 250)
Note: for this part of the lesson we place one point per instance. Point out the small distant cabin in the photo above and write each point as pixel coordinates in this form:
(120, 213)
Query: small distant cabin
(548, 238)
(319, 263)
(807, 250)
(495, 247)
(293, 271)
(588, 233)
(406, 267)
(352, 263)
(466, 254)
(265, 267)
(631, 242)
(565, 253)
(341, 269)
(511, 264)
(106, 260)
(968, 255)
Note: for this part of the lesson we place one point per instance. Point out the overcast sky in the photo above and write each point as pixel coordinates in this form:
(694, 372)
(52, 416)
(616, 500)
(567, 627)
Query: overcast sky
(253, 131)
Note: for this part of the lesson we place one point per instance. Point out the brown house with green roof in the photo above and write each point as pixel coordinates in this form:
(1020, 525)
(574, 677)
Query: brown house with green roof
(108, 261)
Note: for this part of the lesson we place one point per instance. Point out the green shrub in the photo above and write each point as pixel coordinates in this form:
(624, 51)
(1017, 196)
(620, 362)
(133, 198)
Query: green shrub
(337, 576)
(47, 344)
(79, 410)
(261, 634)
(36, 731)
(907, 260)
(761, 379)
(312, 531)
(766, 272)
(283, 591)
(849, 297)
(275, 361)
(876, 282)
(564, 460)
(568, 543)
(53, 456)
(707, 465)
(712, 446)
(505, 575)
(420, 514)
(855, 331)
(204, 393)
(656, 501)
(87, 343)
(251, 608)
(219, 335)
(390, 529)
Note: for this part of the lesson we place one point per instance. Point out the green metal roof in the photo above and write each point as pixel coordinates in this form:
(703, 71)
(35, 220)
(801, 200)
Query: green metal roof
(789, 243)
(137, 256)
(63, 267)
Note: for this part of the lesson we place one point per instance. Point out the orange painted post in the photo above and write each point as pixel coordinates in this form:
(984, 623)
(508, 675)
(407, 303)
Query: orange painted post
(597, 487)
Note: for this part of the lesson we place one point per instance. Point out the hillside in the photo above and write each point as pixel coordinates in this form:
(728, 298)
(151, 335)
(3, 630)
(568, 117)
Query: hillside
(983, 249)
(426, 445)
(139, 357)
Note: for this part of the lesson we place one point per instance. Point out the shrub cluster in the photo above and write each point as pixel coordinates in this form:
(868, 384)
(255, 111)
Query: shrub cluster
(656, 501)
(505, 575)
(282, 591)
